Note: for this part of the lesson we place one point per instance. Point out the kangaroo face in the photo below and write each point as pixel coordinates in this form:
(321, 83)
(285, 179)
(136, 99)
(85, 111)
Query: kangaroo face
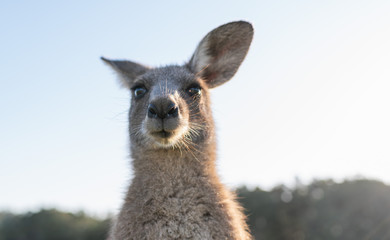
(168, 108)
(170, 105)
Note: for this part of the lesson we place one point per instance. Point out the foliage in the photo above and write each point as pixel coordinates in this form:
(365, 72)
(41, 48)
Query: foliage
(51, 224)
(323, 210)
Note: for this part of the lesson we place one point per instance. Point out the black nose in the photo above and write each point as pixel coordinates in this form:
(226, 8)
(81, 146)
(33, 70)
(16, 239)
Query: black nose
(163, 109)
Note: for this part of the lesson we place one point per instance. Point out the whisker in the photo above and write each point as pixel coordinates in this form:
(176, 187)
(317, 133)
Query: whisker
(204, 68)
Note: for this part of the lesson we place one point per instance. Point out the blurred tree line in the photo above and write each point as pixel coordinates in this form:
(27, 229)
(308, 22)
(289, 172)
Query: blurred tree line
(322, 210)
(51, 224)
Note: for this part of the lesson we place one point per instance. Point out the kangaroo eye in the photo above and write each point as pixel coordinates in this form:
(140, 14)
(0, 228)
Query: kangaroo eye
(139, 91)
(194, 90)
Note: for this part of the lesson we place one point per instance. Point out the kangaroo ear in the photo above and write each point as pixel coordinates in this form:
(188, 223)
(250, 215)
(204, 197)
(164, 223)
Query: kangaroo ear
(128, 71)
(220, 53)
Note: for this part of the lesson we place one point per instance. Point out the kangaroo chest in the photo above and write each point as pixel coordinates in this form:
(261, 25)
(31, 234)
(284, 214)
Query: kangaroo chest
(180, 211)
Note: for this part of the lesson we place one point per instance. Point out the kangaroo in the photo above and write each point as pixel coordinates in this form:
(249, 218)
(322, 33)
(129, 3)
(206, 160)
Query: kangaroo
(175, 192)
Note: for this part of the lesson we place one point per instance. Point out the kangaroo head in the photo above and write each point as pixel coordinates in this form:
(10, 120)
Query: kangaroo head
(170, 105)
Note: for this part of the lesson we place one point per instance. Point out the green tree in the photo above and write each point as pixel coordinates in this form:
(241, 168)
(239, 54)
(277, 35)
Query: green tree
(323, 210)
(51, 224)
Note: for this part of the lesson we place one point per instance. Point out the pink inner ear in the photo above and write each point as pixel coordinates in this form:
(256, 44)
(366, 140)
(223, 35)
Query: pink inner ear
(222, 52)
(209, 76)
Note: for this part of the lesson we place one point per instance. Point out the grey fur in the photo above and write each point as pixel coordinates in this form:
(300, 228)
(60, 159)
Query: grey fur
(175, 192)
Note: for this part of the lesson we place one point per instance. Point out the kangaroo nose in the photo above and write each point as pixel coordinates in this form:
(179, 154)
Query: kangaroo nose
(165, 109)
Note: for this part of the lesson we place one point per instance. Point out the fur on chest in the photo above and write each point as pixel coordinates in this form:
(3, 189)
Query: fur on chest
(181, 218)
(190, 213)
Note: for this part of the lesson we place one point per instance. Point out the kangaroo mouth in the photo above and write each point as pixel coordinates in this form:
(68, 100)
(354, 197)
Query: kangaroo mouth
(164, 138)
(163, 134)
(167, 138)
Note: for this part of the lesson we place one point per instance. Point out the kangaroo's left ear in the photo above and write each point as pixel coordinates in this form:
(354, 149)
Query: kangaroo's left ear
(128, 71)
(220, 53)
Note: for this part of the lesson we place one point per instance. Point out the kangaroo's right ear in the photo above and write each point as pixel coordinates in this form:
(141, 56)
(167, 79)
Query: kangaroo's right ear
(220, 53)
(128, 71)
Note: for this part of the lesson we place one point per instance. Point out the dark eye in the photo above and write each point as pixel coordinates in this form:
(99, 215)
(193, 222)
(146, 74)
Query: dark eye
(139, 91)
(194, 90)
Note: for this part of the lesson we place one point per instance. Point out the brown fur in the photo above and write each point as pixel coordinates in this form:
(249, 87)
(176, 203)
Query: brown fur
(175, 192)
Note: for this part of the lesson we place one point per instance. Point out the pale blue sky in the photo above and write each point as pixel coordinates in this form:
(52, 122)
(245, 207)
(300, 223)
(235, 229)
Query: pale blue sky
(311, 99)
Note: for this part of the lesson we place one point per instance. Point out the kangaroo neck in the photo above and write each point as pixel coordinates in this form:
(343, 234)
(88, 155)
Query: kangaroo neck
(174, 163)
